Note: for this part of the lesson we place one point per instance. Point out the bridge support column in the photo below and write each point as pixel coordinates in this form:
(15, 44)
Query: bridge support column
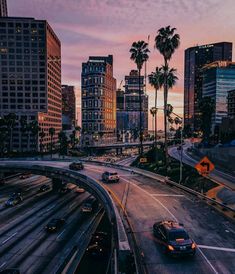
(56, 184)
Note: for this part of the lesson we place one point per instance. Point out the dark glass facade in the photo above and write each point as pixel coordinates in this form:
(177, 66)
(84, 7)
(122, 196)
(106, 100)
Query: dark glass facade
(218, 79)
(68, 107)
(3, 8)
(195, 59)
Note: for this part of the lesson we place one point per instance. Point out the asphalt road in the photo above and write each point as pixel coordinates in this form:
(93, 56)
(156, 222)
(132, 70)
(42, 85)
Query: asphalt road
(218, 175)
(148, 201)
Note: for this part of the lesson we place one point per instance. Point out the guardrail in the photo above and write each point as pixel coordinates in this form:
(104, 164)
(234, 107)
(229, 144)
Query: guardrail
(166, 180)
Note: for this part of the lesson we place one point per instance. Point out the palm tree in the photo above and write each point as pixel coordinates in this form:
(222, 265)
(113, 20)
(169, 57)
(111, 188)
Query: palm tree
(34, 129)
(156, 80)
(63, 143)
(3, 135)
(51, 133)
(23, 130)
(153, 112)
(166, 42)
(139, 54)
(42, 135)
(10, 120)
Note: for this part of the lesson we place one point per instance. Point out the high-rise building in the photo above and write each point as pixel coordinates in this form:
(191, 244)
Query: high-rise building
(98, 101)
(30, 78)
(3, 8)
(128, 105)
(68, 107)
(231, 103)
(195, 59)
(218, 79)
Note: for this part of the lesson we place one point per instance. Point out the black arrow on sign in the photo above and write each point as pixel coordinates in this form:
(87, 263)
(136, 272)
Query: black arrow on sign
(203, 164)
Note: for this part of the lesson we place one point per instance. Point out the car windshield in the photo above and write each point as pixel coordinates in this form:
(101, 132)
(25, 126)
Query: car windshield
(179, 234)
(113, 173)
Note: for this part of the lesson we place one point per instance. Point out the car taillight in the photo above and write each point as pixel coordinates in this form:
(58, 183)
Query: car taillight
(193, 246)
(170, 247)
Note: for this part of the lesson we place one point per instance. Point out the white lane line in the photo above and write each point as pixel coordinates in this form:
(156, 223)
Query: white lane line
(9, 238)
(173, 216)
(61, 234)
(2, 264)
(167, 195)
(217, 248)
(147, 193)
(50, 207)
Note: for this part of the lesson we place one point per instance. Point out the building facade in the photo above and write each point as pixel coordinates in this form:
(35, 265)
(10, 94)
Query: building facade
(218, 79)
(195, 59)
(128, 106)
(98, 101)
(3, 8)
(68, 107)
(231, 103)
(30, 79)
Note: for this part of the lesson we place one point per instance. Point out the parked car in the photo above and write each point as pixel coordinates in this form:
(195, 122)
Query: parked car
(25, 176)
(44, 188)
(13, 201)
(173, 238)
(89, 205)
(110, 177)
(54, 225)
(76, 166)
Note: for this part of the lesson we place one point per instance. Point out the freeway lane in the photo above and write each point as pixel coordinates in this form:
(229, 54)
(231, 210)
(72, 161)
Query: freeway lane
(149, 201)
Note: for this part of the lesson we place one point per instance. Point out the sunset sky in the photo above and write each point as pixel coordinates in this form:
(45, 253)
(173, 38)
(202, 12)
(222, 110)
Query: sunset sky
(102, 27)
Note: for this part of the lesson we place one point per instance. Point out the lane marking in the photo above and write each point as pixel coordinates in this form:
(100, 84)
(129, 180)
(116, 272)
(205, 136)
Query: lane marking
(9, 238)
(61, 234)
(167, 195)
(172, 215)
(50, 207)
(217, 248)
(2, 264)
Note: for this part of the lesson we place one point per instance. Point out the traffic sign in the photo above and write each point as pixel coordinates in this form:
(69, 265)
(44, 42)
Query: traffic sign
(143, 160)
(205, 166)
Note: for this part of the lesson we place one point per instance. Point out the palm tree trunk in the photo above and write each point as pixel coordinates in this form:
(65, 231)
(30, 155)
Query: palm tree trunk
(156, 118)
(140, 127)
(165, 114)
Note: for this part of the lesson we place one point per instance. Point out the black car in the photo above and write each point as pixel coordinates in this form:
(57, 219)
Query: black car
(173, 238)
(76, 166)
(99, 245)
(89, 205)
(12, 201)
(54, 225)
(44, 188)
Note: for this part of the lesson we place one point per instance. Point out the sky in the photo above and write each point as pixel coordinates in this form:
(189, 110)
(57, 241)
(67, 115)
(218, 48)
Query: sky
(102, 27)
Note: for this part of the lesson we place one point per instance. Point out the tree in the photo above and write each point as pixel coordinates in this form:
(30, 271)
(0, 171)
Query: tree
(23, 129)
(3, 135)
(10, 120)
(153, 112)
(51, 133)
(42, 135)
(166, 42)
(63, 143)
(207, 107)
(34, 129)
(156, 80)
(139, 54)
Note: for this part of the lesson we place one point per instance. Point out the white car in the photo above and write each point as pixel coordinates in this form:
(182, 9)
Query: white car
(109, 177)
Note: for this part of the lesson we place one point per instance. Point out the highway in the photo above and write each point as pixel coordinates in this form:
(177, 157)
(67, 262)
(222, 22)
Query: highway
(24, 242)
(218, 175)
(147, 201)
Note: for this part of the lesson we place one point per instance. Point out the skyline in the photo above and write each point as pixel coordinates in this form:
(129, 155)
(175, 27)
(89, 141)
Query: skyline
(112, 26)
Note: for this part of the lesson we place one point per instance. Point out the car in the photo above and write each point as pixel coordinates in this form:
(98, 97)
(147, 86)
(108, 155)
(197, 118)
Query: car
(13, 201)
(44, 188)
(24, 176)
(179, 147)
(99, 245)
(54, 225)
(17, 193)
(80, 190)
(76, 166)
(89, 205)
(109, 177)
(63, 189)
(173, 238)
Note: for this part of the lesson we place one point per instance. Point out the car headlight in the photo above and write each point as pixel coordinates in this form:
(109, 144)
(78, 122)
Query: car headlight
(193, 246)
(170, 247)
